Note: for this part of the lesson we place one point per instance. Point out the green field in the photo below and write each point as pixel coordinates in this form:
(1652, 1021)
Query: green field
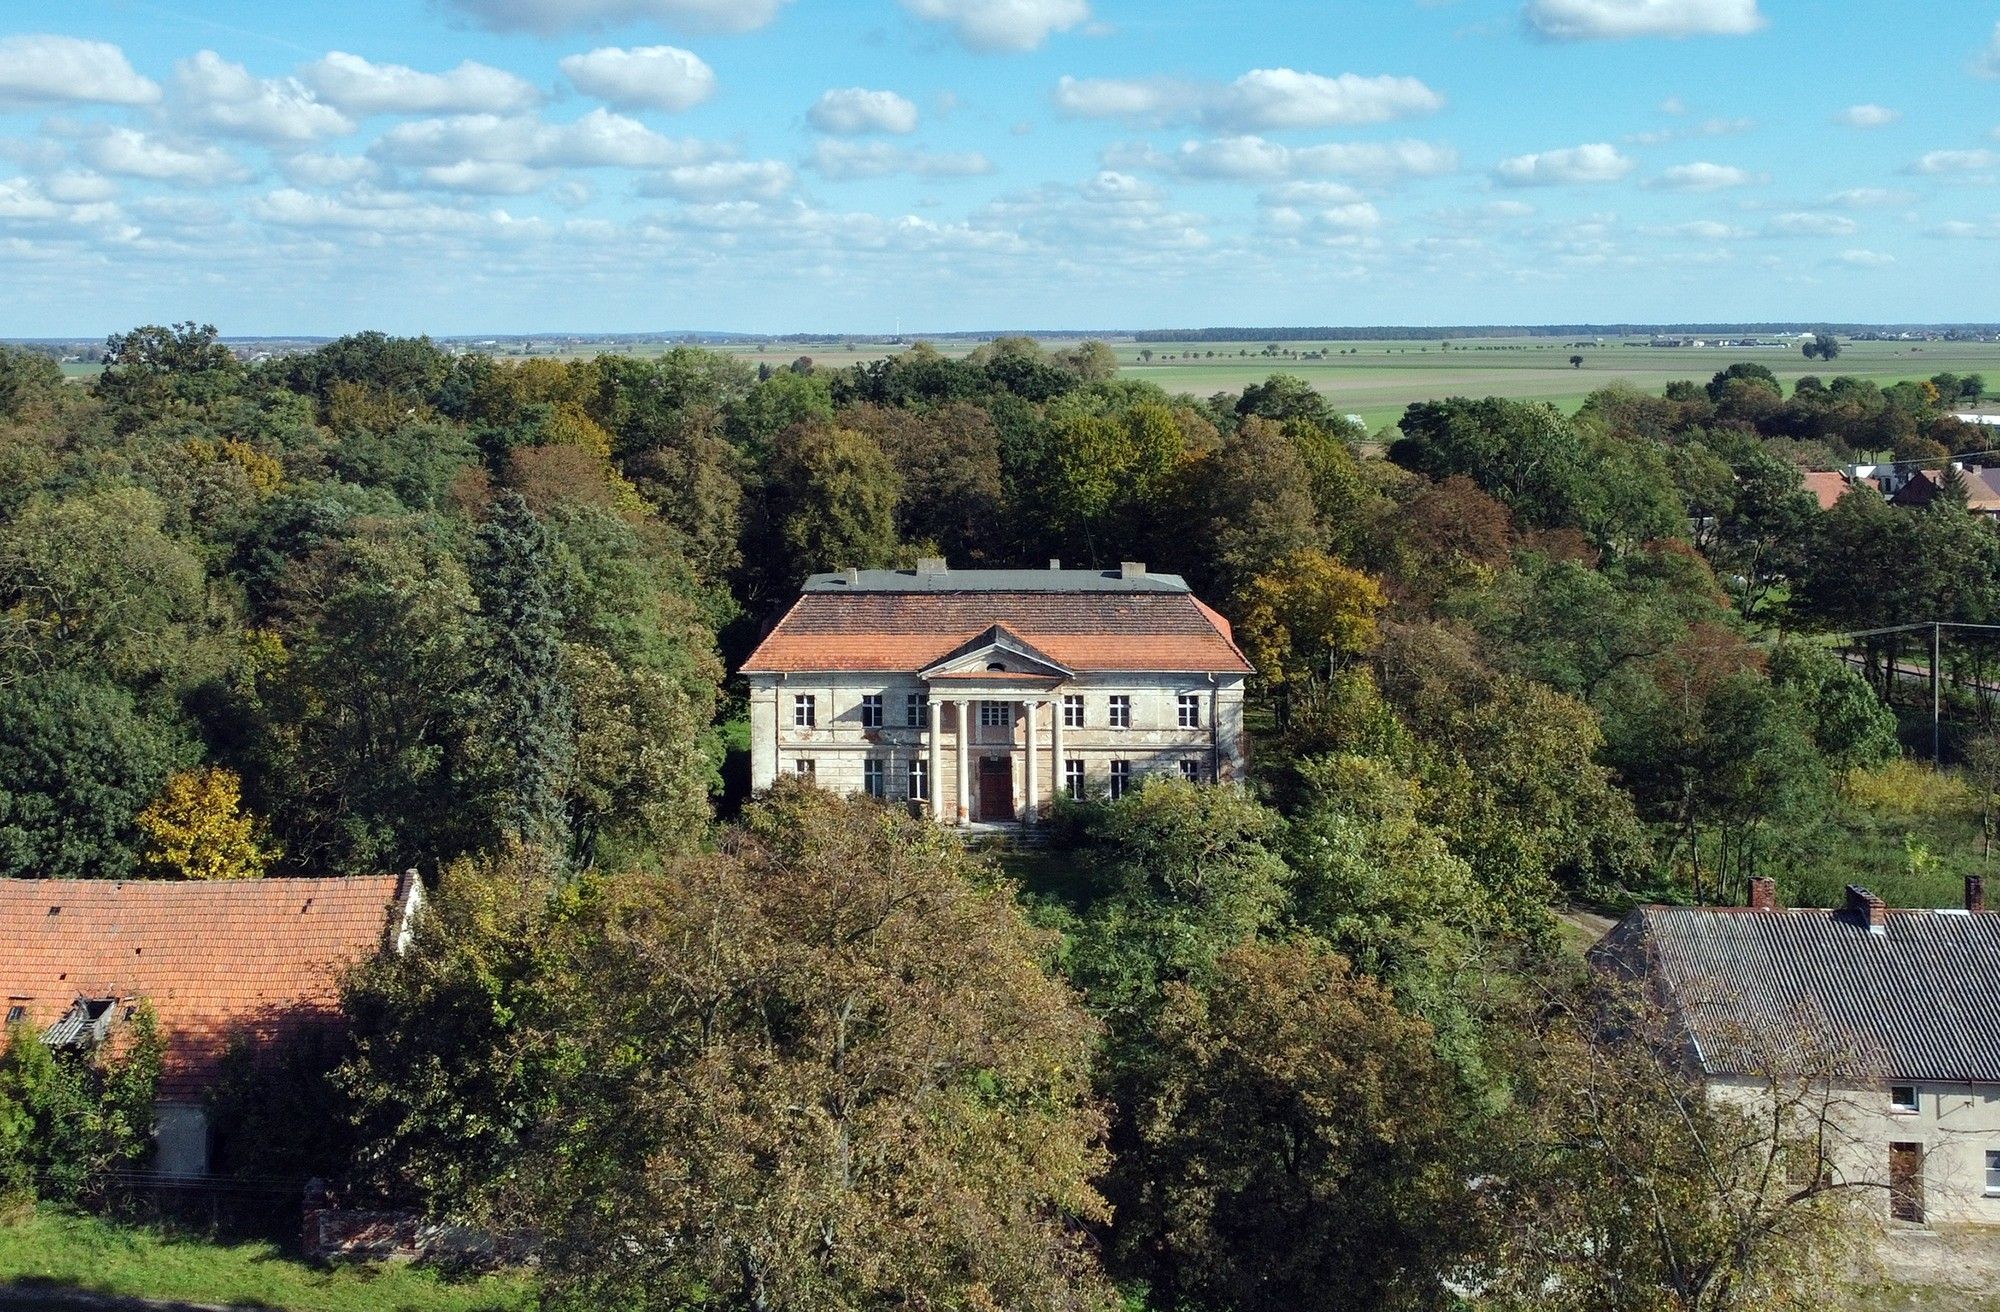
(1379, 379)
(63, 1255)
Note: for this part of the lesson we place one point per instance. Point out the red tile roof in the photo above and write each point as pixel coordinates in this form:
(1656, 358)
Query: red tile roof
(254, 958)
(904, 632)
(1828, 486)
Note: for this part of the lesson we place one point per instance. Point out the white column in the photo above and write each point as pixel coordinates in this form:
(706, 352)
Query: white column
(964, 766)
(1028, 760)
(934, 772)
(1055, 747)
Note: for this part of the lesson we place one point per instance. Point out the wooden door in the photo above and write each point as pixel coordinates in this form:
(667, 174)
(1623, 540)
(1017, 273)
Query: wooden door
(996, 788)
(1906, 1181)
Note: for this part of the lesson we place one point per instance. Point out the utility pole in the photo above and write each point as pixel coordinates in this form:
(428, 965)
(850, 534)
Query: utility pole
(1937, 684)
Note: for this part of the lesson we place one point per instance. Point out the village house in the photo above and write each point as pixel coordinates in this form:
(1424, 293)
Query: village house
(1982, 489)
(980, 695)
(254, 961)
(1896, 1011)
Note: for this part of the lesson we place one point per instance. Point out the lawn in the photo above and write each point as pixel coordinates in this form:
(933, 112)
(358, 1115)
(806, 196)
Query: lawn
(53, 1250)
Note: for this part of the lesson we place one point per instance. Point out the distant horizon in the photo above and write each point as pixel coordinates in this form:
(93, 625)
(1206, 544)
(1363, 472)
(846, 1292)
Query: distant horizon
(1330, 332)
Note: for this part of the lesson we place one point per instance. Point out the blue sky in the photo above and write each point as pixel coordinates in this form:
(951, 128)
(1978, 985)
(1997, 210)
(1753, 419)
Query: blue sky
(465, 166)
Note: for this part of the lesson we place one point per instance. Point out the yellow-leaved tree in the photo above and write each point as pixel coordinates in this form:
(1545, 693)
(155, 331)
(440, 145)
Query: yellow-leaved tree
(1307, 612)
(197, 828)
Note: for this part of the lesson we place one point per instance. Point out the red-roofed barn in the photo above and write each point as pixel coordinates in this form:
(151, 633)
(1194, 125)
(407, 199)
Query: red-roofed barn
(983, 693)
(255, 960)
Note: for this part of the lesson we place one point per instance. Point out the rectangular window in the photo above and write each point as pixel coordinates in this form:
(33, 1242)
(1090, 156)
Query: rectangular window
(1191, 770)
(920, 781)
(17, 1014)
(1073, 777)
(874, 780)
(871, 710)
(1190, 708)
(1072, 710)
(1121, 778)
(996, 715)
(1993, 1172)
(805, 711)
(916, 711)
(1903, 1098)
(1120, 716)
(805, 769)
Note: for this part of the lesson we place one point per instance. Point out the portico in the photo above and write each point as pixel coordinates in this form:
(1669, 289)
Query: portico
(1001, 691)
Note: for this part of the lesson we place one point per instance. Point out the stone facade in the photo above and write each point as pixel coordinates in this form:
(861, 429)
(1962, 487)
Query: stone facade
(987, 728)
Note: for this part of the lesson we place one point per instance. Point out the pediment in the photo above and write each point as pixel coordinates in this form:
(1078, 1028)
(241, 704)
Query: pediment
(999, 654)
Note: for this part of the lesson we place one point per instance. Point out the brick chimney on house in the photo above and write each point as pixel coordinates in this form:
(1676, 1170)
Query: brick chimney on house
(1132, 569)
(932, 565)
(1870, 910)
(1975, 893)
(1763, 893)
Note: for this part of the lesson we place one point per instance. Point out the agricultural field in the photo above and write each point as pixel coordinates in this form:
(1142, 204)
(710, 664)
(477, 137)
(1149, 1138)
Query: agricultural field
(1377, 380)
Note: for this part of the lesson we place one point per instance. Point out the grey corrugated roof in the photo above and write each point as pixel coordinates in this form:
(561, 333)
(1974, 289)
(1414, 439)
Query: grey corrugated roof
(1918, 1001)
(996, 580)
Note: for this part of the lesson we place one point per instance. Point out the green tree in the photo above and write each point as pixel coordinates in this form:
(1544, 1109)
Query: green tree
(154, 373)
(78, 763)
(1298, 1145)
(529, 714)
(69, 1120)
(822, 1068)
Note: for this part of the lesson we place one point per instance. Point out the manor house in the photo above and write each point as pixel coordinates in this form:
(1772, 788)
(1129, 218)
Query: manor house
(982, 694)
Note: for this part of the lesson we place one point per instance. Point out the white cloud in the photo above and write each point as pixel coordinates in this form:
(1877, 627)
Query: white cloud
(313, 170)
(1593, 163)
(1941, 162)
(1868, 116)
(359, 86)
(1987, 63)
(43, 68)
(1307, 195)
(598, 139)
(1110, 211)
(1802, 223)
(1866, 259)
(1003, 26)
(228, 98)
(79, 187)
(131, 153)
(645, 77)
(485, 177)
(766, 179)
(852, 110)
(1699, 230)
(1588, 20)
(548, 17)
(1263, 98)
(1867, 198)
(1254, 159)
(1703, 176)
(844, 161)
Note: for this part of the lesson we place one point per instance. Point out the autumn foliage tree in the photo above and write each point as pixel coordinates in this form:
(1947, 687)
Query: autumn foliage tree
(197, 828)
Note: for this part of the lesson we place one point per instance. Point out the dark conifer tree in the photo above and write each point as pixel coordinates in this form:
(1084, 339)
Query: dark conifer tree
(530, 713)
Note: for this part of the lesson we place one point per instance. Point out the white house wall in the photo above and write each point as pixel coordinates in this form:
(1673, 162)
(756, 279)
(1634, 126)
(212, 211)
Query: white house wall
(1956, 1124)
(838, 745)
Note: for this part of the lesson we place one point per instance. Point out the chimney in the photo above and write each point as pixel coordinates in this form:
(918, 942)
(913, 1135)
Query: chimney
(1975, 893)
(1054, 563)
(1131, 569)
(931, 565)
(1868, 909)
(1763, 894)
(850, 575)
